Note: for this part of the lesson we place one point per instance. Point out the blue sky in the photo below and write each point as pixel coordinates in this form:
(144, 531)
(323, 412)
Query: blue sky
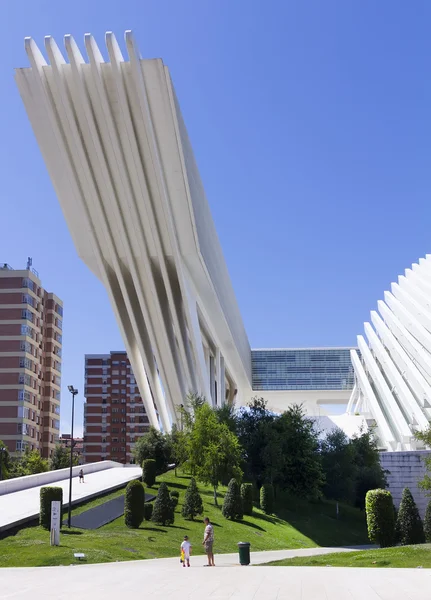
(310, 124)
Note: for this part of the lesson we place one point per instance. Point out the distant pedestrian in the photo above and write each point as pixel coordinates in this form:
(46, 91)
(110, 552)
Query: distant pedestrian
(208, 542)
(81, 476)
(186, 550)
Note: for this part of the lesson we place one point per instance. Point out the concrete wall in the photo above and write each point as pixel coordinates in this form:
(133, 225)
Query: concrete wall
(406, 470)
(29, 481)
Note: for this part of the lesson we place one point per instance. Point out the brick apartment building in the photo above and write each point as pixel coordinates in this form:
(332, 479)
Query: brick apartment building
(30, 362)
(114, 415)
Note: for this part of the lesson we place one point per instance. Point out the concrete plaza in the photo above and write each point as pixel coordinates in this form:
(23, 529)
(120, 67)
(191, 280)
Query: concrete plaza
(164, 578)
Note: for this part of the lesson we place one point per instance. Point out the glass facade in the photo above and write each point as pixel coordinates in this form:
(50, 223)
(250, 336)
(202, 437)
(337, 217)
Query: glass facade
(302, 369)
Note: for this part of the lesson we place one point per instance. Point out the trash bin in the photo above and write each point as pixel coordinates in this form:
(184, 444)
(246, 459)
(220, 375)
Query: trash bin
(244, 553)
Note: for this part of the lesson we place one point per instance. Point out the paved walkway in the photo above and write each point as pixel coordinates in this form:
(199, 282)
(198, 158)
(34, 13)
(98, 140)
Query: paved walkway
(164, 579)
(22, 506)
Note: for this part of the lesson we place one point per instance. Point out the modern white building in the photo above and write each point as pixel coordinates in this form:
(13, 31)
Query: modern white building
(120, 159)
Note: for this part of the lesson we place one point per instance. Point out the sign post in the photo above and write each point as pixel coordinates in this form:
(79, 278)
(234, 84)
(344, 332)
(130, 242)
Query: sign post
(55, 522)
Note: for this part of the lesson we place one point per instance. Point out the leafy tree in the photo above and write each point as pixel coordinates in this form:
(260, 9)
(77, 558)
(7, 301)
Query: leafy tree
(4, 461)
(409, 525)
(149, 467)
(163, 511)
(155, 445)
(267, 498)
(247, 498)
(175, 496)
(425, 438)
(60, 458)
(337, 464)
(29, 463)
(179, 446)
(380, 517)
(214, 451)
(232, 504)
(427, 523)
(187, 411)
(134, 504)
(369, 474)
(193, 504)
(226, 415)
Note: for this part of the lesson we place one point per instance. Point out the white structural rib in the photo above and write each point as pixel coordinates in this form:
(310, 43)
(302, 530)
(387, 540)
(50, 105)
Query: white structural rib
(117, 151)
(397, 362)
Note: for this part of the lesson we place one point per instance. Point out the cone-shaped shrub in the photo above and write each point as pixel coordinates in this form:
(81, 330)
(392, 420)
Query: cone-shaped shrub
(427, 523)
(193, 504)
(149, 470)
(232, 505)
(409, 525)
(247, 498)
(47, 495)
(134, 504)
(163, 511)
(267, 498)
(380, 517)
(148, 511)
(175, 496)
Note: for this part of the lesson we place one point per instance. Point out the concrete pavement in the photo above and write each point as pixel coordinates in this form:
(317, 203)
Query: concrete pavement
(165, 578)
(19, 507)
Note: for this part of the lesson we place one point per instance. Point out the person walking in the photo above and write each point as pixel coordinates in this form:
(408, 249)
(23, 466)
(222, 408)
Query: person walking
(81, 476)
(208, 542)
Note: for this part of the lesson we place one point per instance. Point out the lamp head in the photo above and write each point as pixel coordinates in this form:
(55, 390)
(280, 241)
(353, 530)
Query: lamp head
(72, 390)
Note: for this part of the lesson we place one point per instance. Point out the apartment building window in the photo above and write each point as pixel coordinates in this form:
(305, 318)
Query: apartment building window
(123, 382)
(27, 330)
(58, 338)
(115, 382)
(28, 283)
(26, 363)
(123, 401)
(115, 362)
(27, 314)
(115, 410)
(116, 391)
(115, 430)
(104, 409)
(59, 310)
(114, 420)
(59, 323)
(25, 379)
(115, 372)
(123, 410)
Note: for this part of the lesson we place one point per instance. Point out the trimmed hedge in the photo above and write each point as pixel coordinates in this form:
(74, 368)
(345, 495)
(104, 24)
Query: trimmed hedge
(149, 472)
(232, 504)
(409, 525)
(47, 495)
(148, 511)
(379, 507)
(193, 504)
(247, 498)
(163, 511)
(134, 503)
(267, 498)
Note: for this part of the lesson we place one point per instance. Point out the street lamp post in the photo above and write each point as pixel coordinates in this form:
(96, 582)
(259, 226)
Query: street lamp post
(73, 391)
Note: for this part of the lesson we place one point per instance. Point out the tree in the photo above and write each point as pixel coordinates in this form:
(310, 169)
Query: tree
(337, 464)
(267, 498)
(134, 504)
(187, 411)
(193, 504)
(155, 445)
(179, 446)
(380, 517)
(60, 458)
(232, 504)
(425, 438)
(163, 511)
(4, 461)
(215, 453)
(226, 414)
(29, 463)
(427, 523)
(247, 498)
(369, 474)
(149, 472)
(409, 525)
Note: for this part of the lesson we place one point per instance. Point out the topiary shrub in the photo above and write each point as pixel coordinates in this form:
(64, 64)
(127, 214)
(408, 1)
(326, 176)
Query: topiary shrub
(134, 503)
(267, 498)
(409, 525)
(193, 504)
(175, 496)
(149, 471)
(163, 512)
(379, 507)
(427, 523)
(232, 504)
(148, 511)
(47, 495)
(247, 498)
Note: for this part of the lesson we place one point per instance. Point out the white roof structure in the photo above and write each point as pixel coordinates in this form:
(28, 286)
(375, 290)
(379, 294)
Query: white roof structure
(393, 371)
(117, 150)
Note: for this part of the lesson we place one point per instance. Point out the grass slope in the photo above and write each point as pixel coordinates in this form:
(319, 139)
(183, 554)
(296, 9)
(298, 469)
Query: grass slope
(299, 525)
(400, 557)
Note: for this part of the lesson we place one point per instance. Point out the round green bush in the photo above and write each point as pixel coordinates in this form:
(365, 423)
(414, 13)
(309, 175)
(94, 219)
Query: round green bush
(149, 471)
(47, 495)
(163, 511)
(175, 494)
(148, 511)
(174, 499)
(134, 503)
(409, 525)
(247, 498)
(427, 523)
(267, 498)
(232, 504)
(193, 504)
(379, 507)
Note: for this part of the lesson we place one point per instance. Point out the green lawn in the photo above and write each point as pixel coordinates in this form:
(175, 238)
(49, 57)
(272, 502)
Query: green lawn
(400, 557)
(294, 526)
